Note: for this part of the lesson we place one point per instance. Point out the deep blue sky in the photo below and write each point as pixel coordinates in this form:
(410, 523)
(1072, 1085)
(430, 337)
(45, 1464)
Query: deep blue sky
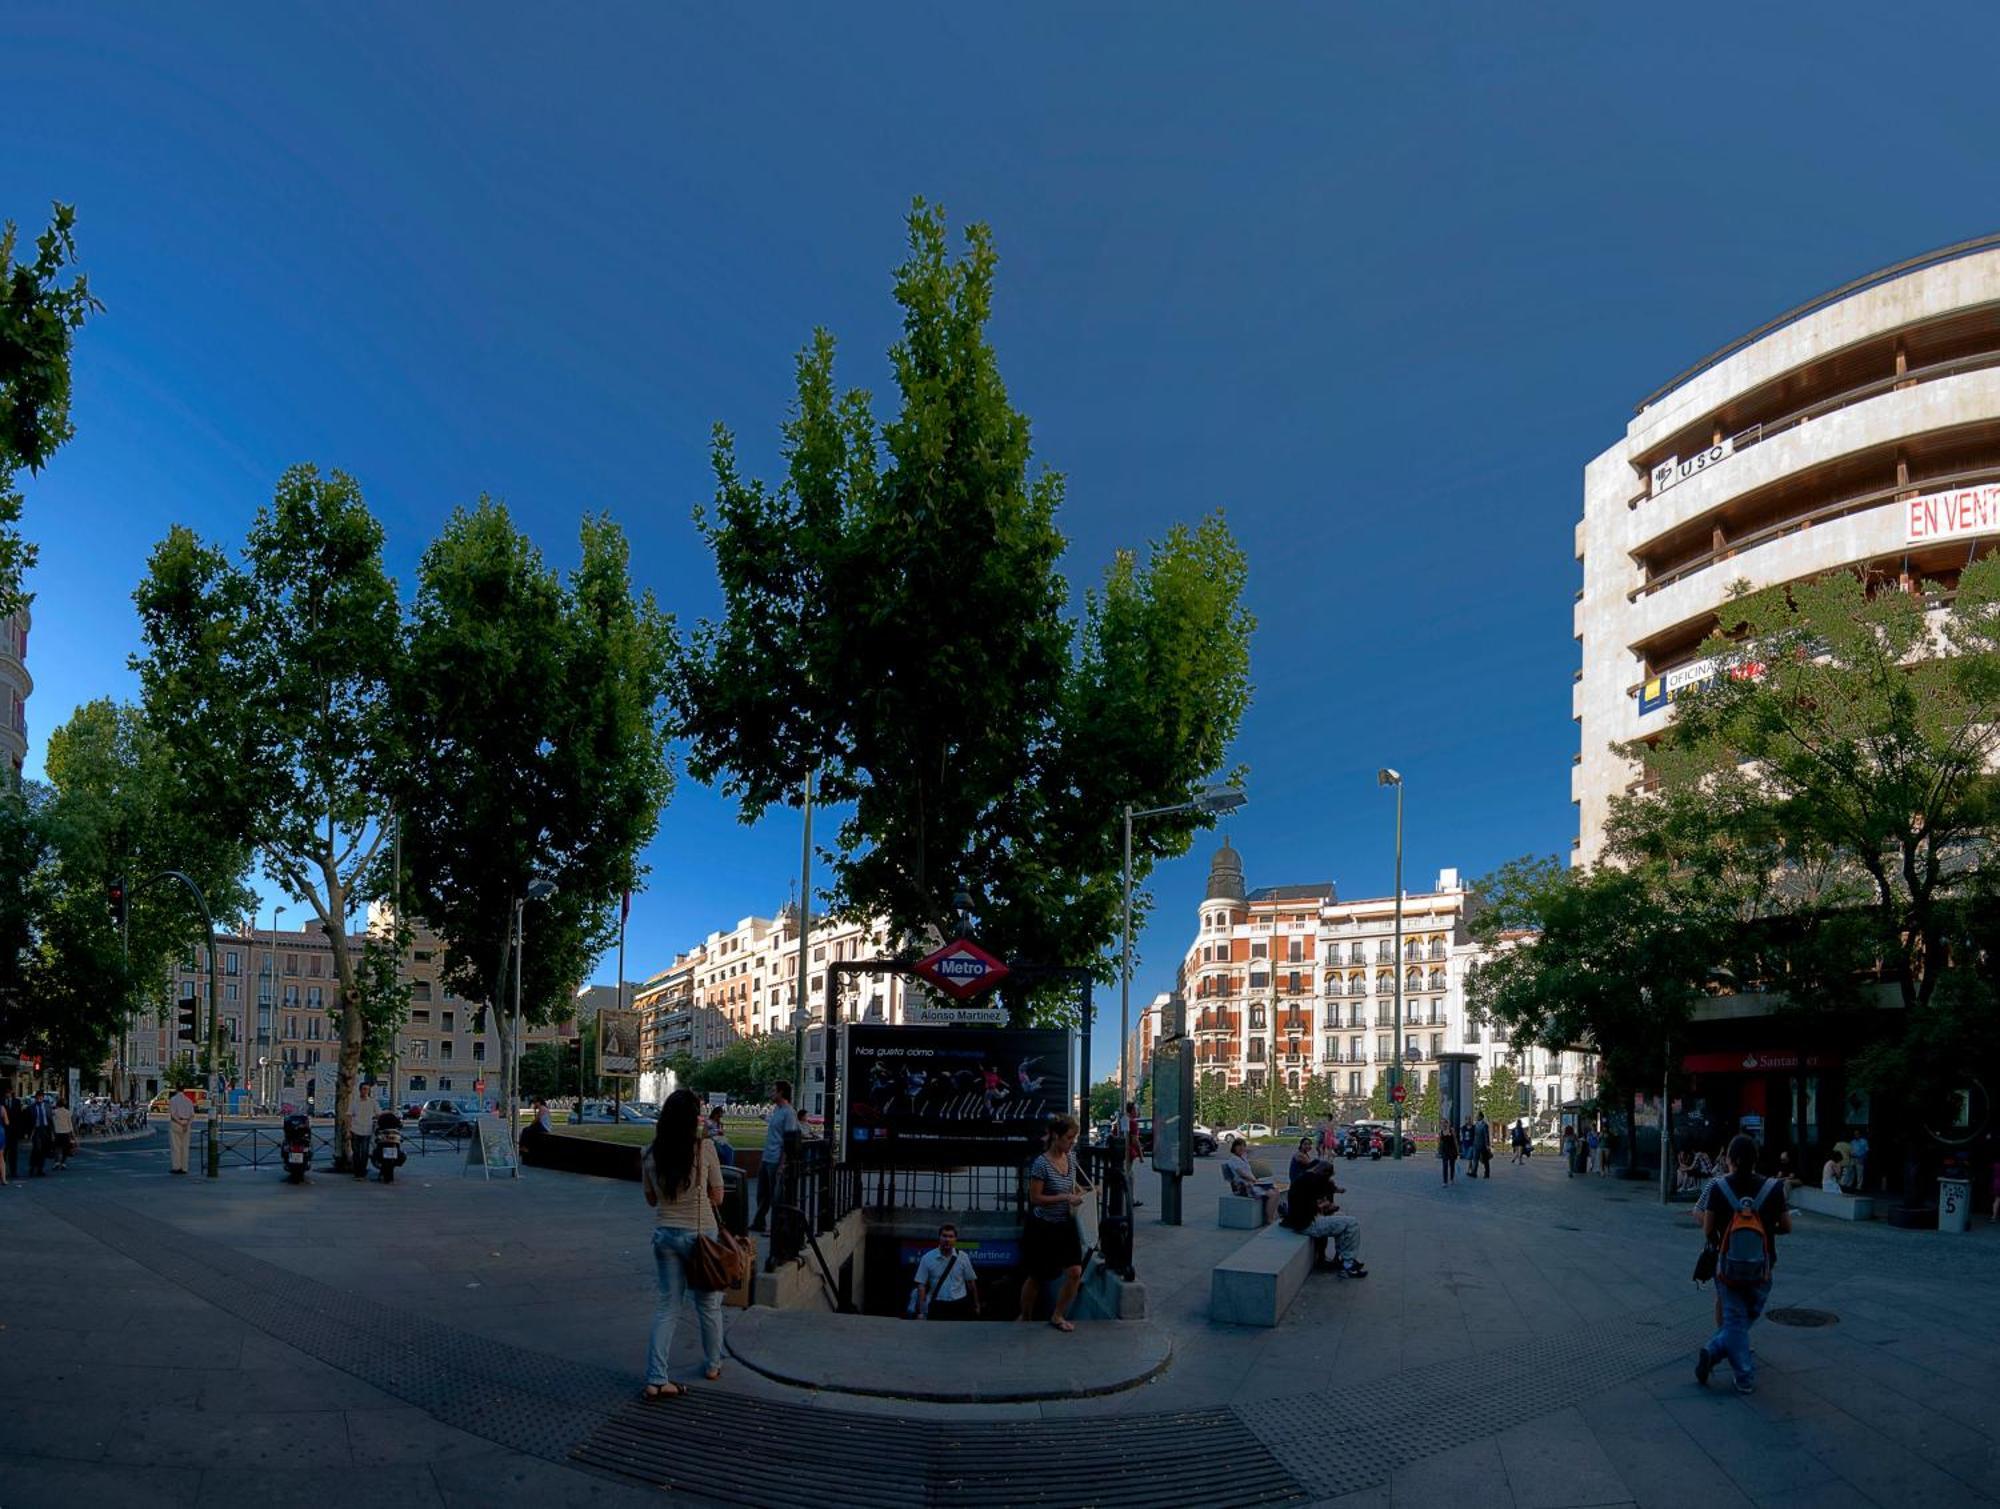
(1376, 280)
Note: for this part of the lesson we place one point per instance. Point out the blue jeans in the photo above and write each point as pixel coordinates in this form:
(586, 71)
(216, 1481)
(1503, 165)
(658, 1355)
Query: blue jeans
(670, 1251)
(1740, 1309)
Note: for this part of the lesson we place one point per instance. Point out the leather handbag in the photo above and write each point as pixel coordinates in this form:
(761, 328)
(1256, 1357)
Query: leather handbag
(717, 1262)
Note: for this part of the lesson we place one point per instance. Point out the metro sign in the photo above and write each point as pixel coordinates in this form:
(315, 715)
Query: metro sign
(962, 969)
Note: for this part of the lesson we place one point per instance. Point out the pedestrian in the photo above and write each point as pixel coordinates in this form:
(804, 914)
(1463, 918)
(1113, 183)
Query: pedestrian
(17, 1123)
(180, 1127)
(6, 1146)
(63, 1126)
(1329, 1139)
(1051, 1247)
(360, 1127)
(1590, 1150)
(1133, 1150)
(682, 1180)
(1829, 1173)
(1448, 1149)
(781, 1123)
(41, 1132)
(1857, 1160)
(1482, 1146)
(725, 1150)
(1569, 1152)
(1743, 1216)
(947, 1285)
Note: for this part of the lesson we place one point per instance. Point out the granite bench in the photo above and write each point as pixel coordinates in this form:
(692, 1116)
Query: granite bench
(1840, 1207)
(1257, 1283)
(1246, 1212)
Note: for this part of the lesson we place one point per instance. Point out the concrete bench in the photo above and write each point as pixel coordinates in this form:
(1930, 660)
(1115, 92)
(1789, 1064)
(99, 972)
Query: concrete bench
(1257, 1283)
(1246, 1212)
(1840, 1207)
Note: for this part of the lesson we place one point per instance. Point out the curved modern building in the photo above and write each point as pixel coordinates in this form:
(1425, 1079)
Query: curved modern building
(1860, 431)
(15, 685)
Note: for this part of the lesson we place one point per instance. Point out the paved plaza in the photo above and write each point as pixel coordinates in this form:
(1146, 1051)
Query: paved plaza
(447, 1341)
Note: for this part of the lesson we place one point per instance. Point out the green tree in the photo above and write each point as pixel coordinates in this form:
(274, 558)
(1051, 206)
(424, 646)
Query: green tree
(548, 1070)
(180, 1074)
(746, 1069)
(117, 809)
(1104, 1101)
(1499, 1096)
(271, 684)
(1379, 1105)
(40, 314)
(1851, 741)
(894, 620)
(1422, 1110)
(531, 728)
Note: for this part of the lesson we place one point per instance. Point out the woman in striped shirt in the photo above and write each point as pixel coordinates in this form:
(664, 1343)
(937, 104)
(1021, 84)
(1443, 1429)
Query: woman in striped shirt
(1051, 1247)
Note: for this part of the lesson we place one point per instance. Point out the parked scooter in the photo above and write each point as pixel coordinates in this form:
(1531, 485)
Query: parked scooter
(298, 1142)
(387, 1154)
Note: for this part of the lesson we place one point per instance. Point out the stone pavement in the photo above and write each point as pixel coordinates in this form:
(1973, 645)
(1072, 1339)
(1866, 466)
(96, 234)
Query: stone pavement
(1526, 1340)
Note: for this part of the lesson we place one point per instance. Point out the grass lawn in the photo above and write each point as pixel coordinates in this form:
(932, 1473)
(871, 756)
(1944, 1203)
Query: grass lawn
(742, 1133)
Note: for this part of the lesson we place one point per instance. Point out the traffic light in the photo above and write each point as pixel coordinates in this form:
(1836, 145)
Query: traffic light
(184, 1026)
(115, 894)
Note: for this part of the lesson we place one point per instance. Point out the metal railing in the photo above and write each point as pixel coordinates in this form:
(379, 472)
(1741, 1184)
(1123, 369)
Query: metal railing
(257, 1147)
(814, 1194)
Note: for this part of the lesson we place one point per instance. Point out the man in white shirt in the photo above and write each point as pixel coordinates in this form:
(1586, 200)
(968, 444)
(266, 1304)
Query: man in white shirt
(360, 1128)
(946, 1282)
(180, 1127)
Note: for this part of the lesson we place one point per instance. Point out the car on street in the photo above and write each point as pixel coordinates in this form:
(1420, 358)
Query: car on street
(1254, 1131)
(1381, 1135)
(1205, 1141)
(446, 1118)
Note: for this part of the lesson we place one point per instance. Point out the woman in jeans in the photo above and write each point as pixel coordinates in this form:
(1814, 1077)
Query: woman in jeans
(682, 1180)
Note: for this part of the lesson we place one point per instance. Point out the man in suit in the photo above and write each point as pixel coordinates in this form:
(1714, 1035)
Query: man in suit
(42, 1128)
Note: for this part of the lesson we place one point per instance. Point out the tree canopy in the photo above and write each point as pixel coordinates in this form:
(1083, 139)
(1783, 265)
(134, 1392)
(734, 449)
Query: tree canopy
(895, 620)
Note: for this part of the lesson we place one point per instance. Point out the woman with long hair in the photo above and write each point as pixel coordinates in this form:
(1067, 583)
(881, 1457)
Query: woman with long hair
(682, 1180)
(1051, 1246)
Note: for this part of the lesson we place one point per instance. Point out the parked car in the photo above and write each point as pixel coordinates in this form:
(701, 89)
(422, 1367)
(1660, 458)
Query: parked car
(446, 1118)
(1205, 1141)
(1254, 1131)
(600, 1112)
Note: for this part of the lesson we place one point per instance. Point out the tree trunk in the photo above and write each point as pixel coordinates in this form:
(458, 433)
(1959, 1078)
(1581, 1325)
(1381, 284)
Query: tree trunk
(349, 1070)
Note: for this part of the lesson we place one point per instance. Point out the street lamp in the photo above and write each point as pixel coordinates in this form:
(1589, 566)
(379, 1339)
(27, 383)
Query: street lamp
(1387, 777)
(539, 889)
(1214, 801)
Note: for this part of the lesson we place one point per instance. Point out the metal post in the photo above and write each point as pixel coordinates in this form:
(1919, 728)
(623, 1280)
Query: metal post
(617, 1084)
(1124, 990)
(1396, 1075)
(514, 1066)
(799, 1002)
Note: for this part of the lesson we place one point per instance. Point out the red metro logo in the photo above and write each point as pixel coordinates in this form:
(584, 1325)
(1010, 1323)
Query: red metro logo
(961, 969)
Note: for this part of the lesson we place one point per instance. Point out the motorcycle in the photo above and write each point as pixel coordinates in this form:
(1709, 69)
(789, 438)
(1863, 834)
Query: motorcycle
(387, 1154)
(297, 1147)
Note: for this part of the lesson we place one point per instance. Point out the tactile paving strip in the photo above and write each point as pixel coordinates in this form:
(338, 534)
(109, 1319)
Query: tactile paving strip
(561, 1411)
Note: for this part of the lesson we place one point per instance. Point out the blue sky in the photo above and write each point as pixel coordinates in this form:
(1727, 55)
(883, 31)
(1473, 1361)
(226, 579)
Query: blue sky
(1375, 280)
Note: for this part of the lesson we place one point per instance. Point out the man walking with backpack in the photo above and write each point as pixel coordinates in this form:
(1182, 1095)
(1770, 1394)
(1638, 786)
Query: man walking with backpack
(1743, 1214)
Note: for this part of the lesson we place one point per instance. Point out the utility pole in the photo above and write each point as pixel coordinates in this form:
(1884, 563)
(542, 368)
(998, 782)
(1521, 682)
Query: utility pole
(1392, 778)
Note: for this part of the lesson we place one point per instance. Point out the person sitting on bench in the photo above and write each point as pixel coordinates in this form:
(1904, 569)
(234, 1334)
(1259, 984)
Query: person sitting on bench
(1311, 1209)
(1242, 1178)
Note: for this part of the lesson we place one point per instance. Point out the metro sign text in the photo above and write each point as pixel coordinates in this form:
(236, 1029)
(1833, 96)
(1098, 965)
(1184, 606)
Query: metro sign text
(962, 969)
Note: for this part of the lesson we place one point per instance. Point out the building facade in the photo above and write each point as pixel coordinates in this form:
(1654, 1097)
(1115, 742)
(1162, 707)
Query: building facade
(15, 686)
(1860, 432)
(278, 998)
(1285, 984)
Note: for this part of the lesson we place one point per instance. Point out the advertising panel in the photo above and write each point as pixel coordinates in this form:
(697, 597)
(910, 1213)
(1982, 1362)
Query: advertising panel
(947, 1097)
(1674, 470)
(1954, 514)
(617, 1042)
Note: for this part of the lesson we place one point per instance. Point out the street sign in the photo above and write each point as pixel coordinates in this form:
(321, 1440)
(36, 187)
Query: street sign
(931, 1015)
(1399, 1093)
(961, 969)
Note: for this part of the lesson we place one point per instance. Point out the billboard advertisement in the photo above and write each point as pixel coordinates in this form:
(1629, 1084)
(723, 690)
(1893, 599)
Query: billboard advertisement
(948, 1097)
(617, 1042)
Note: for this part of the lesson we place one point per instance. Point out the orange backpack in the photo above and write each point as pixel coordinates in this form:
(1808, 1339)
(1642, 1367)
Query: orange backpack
(1744, 1254)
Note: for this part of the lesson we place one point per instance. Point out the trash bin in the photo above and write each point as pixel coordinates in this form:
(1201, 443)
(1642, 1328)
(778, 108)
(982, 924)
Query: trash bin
(735, 1210)
(1954, 1204)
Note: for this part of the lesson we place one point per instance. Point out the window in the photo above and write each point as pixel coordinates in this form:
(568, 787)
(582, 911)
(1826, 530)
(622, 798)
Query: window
(1256, 1012)
(1295, 951)
(1410, 1049)
(312, 1055)
(420, 1017)
(1471, 1030)
(1437, 1044)
(229, 991)
(1292, 982)
(312, 1028)
(444, 1083)
(291, 964)
(422, 956)
(291, 1026)
(1382, 1045)
(1331, 1051)
(451, 1021)
(423, 1047)
(313, 1000)
(291, 995)
(313, 963)
(420, 990)
(1256, 1050)
(232, 962)
(1260, 949)
(1353, 1081)
(444, 1050)
(479, 1051)
(819, 954)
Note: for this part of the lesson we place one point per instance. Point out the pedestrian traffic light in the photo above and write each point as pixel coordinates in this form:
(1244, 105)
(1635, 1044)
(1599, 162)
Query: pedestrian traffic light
(184, 1028)
(115, 894)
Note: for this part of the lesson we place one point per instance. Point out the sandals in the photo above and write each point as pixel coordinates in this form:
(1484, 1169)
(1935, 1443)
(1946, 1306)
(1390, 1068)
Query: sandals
(711, 1374)
(1060, 1324)
(658, 1391)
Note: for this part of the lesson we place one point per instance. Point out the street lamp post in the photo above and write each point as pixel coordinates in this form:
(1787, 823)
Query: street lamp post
(1387, 777)
(539, 889)
(267, 1014)
(1215, 801)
